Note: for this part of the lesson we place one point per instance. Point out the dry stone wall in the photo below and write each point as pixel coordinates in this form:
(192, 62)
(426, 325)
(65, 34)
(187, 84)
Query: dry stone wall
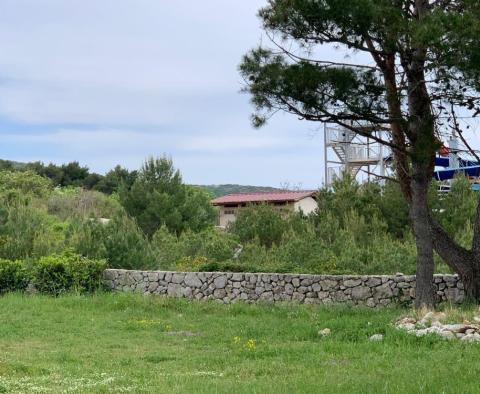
(372, 291)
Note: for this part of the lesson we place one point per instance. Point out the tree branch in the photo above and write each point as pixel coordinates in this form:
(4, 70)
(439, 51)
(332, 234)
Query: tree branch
(453, 254)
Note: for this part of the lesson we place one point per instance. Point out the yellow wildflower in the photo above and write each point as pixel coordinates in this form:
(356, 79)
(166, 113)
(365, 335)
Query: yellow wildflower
(251, 344)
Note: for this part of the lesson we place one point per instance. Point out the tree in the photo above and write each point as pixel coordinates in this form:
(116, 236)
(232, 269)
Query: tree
(74, 174)
(425, 67)
(260, 222)
(14, 184)
(158, 197)
(113, 179)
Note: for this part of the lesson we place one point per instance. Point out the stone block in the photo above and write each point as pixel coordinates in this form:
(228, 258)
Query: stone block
(192, 280)
(220, 282)
(361, 293)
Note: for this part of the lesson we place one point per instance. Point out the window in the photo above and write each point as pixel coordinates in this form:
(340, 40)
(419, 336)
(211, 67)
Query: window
(229, 212)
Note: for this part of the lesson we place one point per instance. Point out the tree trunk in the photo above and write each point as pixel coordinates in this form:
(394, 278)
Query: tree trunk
(466, 263)
(420, 217)
(471, 282)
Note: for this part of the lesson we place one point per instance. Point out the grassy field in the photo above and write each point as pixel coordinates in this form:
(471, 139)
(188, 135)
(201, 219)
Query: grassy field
(124, 343)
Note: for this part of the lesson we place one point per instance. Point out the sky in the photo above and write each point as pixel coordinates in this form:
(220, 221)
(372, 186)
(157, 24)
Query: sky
(115, 81)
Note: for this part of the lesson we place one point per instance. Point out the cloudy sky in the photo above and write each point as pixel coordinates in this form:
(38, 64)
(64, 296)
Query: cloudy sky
(113, 81)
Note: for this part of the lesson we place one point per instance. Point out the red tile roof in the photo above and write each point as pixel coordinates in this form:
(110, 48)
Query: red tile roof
(280, 196)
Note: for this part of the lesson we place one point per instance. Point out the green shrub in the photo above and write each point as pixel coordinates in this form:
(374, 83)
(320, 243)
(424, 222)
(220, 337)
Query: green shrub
(260, 222)
(67, 203)
(28, 232)
(87, 274)
(13, 276)
(60, 273)
(121, 242)
(23, 184)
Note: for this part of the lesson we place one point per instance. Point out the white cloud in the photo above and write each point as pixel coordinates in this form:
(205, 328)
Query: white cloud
(118, 61)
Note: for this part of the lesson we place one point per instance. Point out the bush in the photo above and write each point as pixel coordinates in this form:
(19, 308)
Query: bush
(15, 184)
(70, 203)
(211, 244)
(65, 272)
(260, 222)
(121, 242)
(13, 276)
(27, 232)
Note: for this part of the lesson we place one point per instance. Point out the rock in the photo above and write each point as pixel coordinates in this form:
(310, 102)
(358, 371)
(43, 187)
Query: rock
(220, 282)
(302, 289)
(455, 295)
(328, 284)
(340, 296)
(361, 293)
(182, 333)
(322, 294)
(383, 291)
(371, 303)
(289, 289)
(296, 282)
(306, 282)
(471, 337)
(237, 277)
(153, 277)
(406, 326)
(376, 338)
(192, 280)
(31, 289)
(175, 290)
(137, 276)
(298, 296)
(457, 328)
(352, 282)
(406, 320)
(219, 293)
(178, 278)
(420, 333)
(109, 274)
(266, 297)
(152, 286)
(431, 316)
(373, 281)
(447, 335)
(325, 332)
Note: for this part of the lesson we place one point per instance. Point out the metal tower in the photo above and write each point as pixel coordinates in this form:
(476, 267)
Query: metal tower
(347, 152)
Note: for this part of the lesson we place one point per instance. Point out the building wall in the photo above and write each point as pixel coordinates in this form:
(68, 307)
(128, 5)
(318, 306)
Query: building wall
(227, 215)
(225, 219)
(306, 205)
(372, 291)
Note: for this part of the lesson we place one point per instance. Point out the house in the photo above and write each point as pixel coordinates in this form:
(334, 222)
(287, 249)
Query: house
(293, 201)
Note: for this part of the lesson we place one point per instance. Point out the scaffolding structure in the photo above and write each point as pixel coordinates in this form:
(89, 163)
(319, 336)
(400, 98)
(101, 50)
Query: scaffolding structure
(347, 152)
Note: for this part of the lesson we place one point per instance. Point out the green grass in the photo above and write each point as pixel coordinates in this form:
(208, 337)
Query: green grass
(124, 343)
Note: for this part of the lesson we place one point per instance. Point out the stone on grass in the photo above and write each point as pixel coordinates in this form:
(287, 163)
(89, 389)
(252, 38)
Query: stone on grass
(475, 337)
(325, 332)
(376, 338)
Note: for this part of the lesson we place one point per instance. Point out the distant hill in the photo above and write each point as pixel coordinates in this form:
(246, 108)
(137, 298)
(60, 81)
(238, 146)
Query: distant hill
(215, 190)
(222, 190)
